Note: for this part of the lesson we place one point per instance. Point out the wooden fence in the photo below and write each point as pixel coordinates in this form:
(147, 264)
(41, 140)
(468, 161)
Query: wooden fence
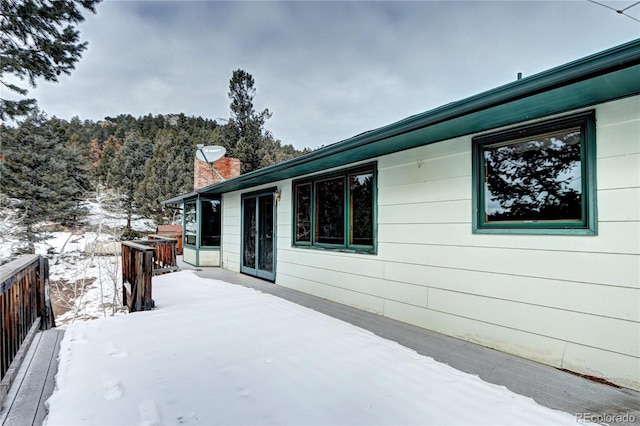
(171, 231)
(137, 271)
(141, 260)
(25, 307)
(165, 258)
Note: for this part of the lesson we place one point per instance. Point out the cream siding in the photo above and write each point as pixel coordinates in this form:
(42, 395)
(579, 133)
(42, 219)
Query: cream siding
(189, 255)
(230, 244)
(569, 301)
(209, 258)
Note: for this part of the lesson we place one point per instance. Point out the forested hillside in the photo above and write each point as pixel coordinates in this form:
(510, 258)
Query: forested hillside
(58, 163)
(50, 167)
(53, 170)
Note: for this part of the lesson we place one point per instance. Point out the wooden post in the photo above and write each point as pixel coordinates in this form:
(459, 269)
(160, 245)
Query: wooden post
(128, 283)
(45, 310)
(148, 281)
(137, 272)
(139, 278)
(49, 318)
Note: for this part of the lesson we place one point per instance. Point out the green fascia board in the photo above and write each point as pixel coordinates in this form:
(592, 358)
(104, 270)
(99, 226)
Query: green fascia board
(603, 77)
(181, 198)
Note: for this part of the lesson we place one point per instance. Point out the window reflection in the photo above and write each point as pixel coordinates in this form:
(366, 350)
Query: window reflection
(337, 210)
(211, 223)
(537, 179)
(330, 211)
(249, 233)
(361, 211)
(190, 224)
(303, 213)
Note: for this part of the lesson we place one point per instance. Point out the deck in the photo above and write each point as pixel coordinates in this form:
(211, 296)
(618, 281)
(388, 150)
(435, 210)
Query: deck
(547, 385)
(25, 404)
(34, 383)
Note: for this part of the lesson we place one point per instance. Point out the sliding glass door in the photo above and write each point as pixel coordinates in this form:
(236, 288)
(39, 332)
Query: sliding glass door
(258, 235)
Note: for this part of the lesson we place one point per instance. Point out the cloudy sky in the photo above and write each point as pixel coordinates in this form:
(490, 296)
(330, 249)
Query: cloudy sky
(327, 70)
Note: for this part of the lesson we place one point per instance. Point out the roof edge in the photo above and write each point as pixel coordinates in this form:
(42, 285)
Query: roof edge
(618, 57)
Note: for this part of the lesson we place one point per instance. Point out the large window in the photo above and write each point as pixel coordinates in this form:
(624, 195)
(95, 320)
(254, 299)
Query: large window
(537, 179)
(208, 217)
(210, 226)
(336, 210)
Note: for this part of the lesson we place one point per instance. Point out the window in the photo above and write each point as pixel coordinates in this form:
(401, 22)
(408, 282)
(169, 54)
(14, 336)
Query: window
(190, 224)
(302, 199)
(211, 223)
(336, 210)
(537, 179)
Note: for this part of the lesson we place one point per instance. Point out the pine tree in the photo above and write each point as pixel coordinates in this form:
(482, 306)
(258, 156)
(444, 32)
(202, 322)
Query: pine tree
(36, 171)
(76, 170)
(38, 40)
(77, 176)
(272, 152)
(106, 156)
(127, 171)
(168, 173)
(247, 123)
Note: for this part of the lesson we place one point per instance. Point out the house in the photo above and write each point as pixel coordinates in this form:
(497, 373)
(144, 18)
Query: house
(509, 219)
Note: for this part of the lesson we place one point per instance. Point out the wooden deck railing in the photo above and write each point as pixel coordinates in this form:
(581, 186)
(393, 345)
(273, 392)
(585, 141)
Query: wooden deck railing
(165, 258)
(25, 307)
(141, 260)
(137, 271)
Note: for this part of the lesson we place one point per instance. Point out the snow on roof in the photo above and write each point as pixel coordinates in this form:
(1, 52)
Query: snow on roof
(217, 353)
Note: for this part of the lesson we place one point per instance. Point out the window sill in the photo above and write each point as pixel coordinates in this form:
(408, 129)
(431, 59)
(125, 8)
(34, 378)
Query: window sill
(536, 231)
(338, 250)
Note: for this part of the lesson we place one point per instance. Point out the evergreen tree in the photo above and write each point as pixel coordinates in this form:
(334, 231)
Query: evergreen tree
(127, 171)
(168, 173)
(106, 157)
(38, 40)
(247, 123)
(272, 152)
(536, 179)
(35, 170)
(77, 174)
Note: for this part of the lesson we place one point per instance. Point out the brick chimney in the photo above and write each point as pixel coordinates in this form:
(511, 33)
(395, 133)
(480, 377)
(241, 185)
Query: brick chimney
(203, 175)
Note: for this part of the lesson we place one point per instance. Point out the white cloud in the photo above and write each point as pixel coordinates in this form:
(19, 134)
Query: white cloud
(327, 70)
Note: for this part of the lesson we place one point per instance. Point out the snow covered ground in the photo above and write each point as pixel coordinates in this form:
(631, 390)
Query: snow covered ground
(101, 221)
(217, 353)
(83, 286)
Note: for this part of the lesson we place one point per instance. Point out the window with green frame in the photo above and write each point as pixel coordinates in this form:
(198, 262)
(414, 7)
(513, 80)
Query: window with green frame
(190, 223)
(336, 210)
(210, 227)
(208, 217)
(537, 179)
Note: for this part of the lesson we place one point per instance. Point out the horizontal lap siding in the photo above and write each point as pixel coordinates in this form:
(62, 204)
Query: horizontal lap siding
(231, 220)
(569, 301)
(614, 235)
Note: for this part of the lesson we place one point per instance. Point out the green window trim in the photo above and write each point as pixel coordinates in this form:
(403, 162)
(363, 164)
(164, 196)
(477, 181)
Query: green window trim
(190, 223)
(210, 222)
(584, 221)
(198, 229)
(312, 211)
